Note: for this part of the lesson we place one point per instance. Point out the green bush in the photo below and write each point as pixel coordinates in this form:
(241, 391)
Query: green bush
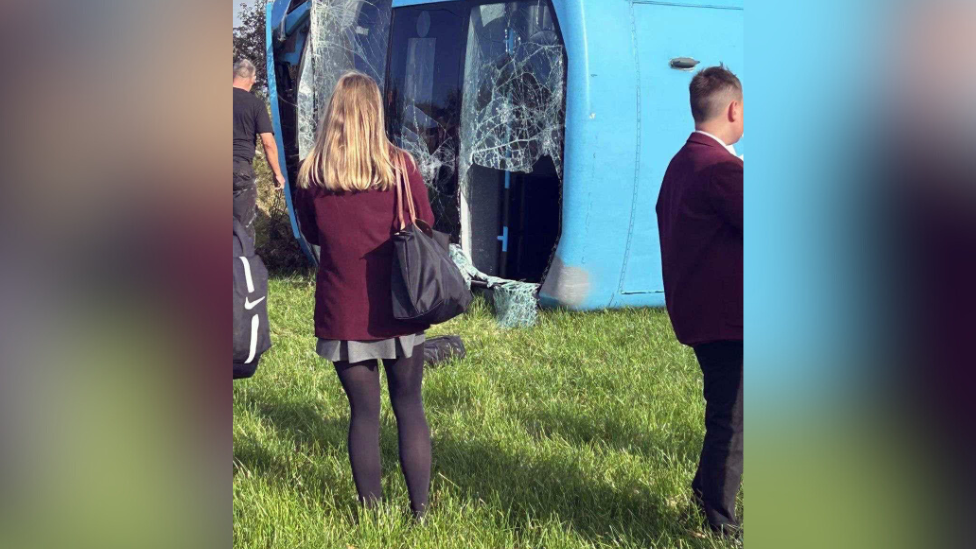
(275, 242)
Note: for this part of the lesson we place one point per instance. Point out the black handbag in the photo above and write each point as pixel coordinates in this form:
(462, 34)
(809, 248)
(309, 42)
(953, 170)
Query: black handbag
(427, 286)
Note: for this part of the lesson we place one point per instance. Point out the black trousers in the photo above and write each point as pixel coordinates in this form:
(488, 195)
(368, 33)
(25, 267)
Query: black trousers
(719, 473)
(245, 195)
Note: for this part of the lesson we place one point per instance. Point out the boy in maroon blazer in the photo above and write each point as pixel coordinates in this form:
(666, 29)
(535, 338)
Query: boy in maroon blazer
(700, 221)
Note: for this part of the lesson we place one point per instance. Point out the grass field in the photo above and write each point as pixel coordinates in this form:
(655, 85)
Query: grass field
(583, 431)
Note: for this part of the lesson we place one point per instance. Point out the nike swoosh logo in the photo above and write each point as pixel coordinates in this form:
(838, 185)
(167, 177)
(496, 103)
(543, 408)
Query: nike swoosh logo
(248, 304)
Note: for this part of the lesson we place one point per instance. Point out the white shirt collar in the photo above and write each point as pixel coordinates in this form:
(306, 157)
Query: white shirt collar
(729, 148)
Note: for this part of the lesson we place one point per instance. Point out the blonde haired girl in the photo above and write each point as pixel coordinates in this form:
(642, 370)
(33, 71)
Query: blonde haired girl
(346, 205)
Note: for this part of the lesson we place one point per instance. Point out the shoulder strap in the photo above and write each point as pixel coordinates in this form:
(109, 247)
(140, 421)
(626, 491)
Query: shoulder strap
(403, 188)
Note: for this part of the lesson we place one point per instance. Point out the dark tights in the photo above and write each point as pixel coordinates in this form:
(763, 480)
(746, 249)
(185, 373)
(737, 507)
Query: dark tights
(361, 381)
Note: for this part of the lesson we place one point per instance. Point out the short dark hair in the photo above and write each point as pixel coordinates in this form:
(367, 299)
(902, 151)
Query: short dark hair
(710, 90)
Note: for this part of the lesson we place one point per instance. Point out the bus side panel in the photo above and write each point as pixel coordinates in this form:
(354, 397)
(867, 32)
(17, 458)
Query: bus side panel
(600, 154)
(709, 35)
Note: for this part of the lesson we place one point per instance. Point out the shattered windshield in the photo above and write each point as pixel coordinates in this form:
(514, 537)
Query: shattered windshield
(476, 86)
(512, 116)
(343, 35)
(514, 104)
(476, 93)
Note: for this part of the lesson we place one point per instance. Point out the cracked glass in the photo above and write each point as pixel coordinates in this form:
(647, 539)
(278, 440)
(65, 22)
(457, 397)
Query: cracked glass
(424, 98)
(513, 114)
(477, 95)
(343, 35)
(514, 105)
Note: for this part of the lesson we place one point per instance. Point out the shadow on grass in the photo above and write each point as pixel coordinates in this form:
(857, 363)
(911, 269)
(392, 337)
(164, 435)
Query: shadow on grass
(250, 456)
(681, 444)
(314, 435)
(528, 491)
(532, 491)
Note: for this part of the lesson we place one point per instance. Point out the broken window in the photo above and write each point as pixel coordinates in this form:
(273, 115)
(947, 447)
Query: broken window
(423, 106)
(512, 133)
(343, 35)
(476, 93)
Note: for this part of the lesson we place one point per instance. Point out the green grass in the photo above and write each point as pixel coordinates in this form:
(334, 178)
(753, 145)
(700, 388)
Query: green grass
(583, 431)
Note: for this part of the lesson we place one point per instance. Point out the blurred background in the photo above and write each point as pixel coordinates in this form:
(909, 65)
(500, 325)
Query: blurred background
(114, 299)
(860, 248)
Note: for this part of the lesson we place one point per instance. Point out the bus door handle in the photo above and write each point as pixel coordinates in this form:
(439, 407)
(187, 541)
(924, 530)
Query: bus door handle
(683, 63)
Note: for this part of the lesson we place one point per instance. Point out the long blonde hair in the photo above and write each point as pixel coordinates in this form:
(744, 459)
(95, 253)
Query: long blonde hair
(352, 152)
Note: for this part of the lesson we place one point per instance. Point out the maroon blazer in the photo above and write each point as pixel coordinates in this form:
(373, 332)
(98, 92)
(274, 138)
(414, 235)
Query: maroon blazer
(699, 215)
(353, 230)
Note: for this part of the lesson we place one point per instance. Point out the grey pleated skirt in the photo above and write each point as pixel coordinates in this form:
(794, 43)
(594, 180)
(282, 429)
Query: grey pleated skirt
(361, 351)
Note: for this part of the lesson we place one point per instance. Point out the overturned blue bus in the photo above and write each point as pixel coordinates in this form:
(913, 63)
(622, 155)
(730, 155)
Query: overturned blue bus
(542, 127)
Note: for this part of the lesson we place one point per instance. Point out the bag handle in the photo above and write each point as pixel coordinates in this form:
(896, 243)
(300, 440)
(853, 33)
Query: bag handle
(403, 187)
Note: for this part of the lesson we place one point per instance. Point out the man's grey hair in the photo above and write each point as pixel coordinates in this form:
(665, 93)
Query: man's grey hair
(244, 69)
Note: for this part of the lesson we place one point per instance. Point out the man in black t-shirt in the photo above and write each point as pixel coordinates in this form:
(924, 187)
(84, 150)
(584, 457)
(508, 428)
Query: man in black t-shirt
(250, 120)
